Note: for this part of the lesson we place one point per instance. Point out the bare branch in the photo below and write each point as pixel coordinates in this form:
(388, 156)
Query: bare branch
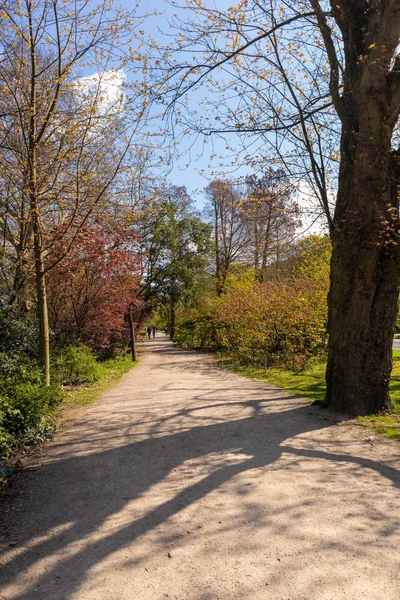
(332, 57)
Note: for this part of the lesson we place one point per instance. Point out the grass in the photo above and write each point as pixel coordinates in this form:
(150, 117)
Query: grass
(311, 384)
(109, 371)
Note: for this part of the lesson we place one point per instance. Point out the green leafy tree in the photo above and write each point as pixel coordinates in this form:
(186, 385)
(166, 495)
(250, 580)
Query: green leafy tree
(176, 247)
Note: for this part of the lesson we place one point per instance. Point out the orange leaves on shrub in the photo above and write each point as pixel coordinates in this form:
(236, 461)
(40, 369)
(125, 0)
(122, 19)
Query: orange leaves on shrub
(274, 322)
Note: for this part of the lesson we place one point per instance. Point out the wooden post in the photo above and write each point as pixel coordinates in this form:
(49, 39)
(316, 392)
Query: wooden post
(132, 331)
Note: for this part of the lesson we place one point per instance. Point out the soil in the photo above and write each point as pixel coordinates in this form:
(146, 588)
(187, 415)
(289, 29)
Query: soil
(185, 481)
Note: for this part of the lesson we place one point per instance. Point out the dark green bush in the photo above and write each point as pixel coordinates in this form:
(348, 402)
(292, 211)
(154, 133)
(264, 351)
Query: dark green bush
(18, 333)
(200, 332)
(76, 365)
(26, 404)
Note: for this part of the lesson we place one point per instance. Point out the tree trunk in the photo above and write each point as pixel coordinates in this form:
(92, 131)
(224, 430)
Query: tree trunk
(362, 315)
(44, 339)
(173, 321)
(132, 334)
(44, 342)
(364, 272)
(217, 251)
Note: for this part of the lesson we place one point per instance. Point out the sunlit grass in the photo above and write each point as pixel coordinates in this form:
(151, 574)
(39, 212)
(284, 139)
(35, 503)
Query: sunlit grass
(110, 372)
(311, 384)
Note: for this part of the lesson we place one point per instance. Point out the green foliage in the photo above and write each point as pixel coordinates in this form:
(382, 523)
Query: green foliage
(314, 259)
(198, 332)
(17, 333)
(26, 404)
(109, 371)
(279, 322)
(76, 365)
(274, 323)
(176, 246)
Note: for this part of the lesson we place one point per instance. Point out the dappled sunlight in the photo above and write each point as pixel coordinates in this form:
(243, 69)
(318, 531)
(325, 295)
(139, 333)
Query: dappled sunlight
(239, 483)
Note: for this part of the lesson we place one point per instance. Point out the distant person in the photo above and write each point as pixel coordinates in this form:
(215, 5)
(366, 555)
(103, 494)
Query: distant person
(166, 330)
(149, 330)
(154, 328)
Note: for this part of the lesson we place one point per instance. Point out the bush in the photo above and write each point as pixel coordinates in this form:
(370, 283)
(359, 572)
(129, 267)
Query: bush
(76, 365)
(26, 405)
(200, 331)
(265, 324)
(278, 322)
(17, 333)
(7, 441)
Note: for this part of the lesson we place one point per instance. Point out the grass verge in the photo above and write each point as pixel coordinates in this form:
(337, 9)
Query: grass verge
(109, 372)
(311, 384)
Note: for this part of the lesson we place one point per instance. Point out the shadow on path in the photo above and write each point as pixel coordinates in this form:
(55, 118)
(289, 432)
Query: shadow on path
(75, 497)
(115, 477)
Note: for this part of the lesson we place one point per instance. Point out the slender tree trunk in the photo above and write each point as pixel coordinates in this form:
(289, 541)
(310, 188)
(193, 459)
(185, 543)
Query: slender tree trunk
(44, 343)
(364, 272)
(217, 251)
(17, 295)
(132, 333)
(173, 321)
(44, 338)
(265, 249)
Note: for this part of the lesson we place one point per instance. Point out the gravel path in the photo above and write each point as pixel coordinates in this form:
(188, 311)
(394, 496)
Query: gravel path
(187, 482)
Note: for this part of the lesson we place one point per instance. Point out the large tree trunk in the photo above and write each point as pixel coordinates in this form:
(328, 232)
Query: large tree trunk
(362, 315)
(363, 295)
(365, 261)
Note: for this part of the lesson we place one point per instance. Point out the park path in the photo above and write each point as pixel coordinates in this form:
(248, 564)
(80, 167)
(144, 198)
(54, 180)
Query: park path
(187, 482)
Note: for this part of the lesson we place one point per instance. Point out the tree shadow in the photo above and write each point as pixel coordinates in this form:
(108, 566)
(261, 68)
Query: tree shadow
(75, 496)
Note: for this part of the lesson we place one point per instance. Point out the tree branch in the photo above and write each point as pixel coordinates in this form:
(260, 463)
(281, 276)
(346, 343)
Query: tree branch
(332, 57)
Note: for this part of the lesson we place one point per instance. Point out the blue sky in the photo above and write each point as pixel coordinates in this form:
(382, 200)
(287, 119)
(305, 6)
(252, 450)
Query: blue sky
(185, 170)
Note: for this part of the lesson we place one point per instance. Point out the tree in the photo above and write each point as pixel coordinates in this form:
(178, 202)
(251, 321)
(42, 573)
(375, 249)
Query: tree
(302, 76)
(90, 291)
(64, 145)
(225, 212)
(271, 217)
(176, 245)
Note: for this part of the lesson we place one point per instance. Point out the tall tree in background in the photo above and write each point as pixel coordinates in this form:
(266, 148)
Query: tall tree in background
(176, 244)
(62, 144)
(225, 212)
(271, 218)
(304, 76)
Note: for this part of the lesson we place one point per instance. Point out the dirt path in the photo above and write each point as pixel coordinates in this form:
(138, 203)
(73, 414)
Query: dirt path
(187, 482)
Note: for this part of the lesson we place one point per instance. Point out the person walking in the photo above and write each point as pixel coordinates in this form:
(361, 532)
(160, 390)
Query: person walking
(149, 330)
(154, 328)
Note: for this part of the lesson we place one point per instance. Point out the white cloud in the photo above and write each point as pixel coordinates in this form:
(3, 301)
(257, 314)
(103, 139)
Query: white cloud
(106, 88)
(313, 218)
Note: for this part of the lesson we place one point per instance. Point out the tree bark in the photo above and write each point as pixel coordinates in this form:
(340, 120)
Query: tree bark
(132, 333)
(44, 337)
(363, 293)
(173, 321)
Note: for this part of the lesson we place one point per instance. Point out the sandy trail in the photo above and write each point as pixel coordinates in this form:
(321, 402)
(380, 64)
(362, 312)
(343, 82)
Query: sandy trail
(187, 482)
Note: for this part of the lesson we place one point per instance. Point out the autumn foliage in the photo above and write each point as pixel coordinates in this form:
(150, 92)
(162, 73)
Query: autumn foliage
(281, 321)
(90, 290)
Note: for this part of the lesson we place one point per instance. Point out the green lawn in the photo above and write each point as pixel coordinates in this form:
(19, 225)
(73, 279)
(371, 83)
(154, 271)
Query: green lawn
(110, 372)
(311, 383)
